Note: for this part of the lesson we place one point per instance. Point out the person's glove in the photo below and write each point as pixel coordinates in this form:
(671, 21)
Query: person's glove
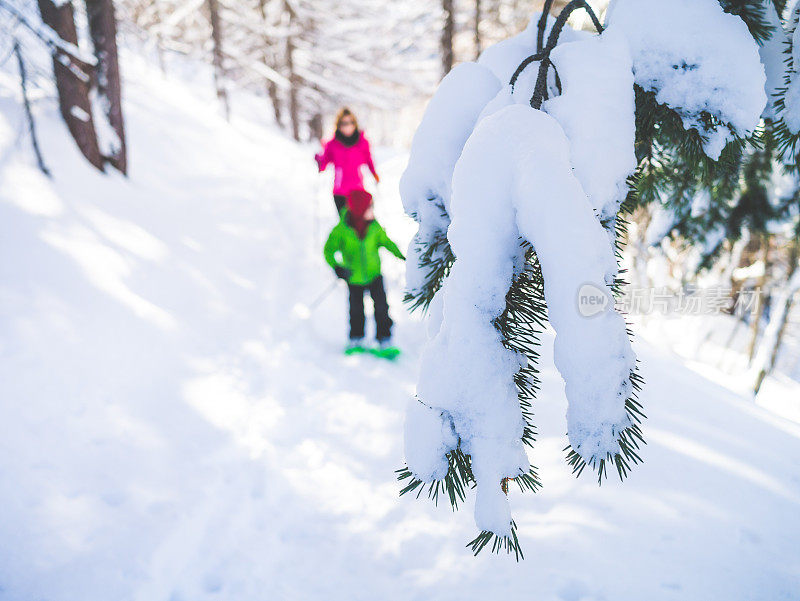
(343, 273)
(318, 159)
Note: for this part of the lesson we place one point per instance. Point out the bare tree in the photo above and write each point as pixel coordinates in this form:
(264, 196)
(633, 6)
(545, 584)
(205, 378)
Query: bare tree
(448, 31)
(218, 57)
(72, 81)
(28, 112)
(761, 300)
(315, 127)
(269, 62)
(476, 39)
(103, 30)
(773, 335)
(294, 82)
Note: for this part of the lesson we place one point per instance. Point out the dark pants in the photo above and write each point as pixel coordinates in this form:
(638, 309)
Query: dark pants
(383, 322)
(340, 202)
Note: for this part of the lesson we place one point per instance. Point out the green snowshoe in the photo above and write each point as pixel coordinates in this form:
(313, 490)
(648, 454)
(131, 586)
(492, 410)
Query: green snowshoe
(386, 352)
(355, 347)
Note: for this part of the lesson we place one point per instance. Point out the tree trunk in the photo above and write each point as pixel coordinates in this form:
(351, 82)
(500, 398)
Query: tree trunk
(275, 99)
(73, 91)
(103, 30)
(773, 335)
(218, 57)
(734, 260)
(787, 311)
(272, 87)
(448, 30)
(477, 31)
(759, 313)
(294, 83)
(315, 127)
(23, 77)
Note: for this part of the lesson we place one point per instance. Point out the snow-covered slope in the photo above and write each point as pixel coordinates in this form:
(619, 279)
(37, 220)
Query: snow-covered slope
(176, 425)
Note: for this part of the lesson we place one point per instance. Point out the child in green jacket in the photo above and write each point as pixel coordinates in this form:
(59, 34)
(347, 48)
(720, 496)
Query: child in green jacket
(352, 251)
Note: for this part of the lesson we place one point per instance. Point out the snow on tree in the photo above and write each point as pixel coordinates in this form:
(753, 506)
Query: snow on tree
(425, 185)
(310, 56)
(88, 86)
(772, 51)
(512, 232)
(788, 102)
(691, 77)
(601, 126)
(675, 173)
(740, 199)
(107, 97)
(505, 57)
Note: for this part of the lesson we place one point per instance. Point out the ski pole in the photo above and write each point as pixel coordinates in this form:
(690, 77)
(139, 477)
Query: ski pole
(325, 293)
(317, 189)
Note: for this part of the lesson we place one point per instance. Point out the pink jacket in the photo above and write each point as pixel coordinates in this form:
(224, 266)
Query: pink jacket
(347, 162)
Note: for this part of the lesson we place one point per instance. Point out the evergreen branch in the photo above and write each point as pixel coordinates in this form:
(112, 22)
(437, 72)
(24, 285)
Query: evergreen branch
(459, 477)
(630, 438)
(509, 544)
(540, 90)
(436, 258)
(522, 66)
(752, 13)
(524, 317)
(542, 25)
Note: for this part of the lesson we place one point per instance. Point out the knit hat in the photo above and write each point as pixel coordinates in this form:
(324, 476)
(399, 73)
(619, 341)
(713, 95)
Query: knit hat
(358, 201)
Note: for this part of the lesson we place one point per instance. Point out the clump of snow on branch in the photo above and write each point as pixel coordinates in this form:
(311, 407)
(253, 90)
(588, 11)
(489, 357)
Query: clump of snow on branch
(791, 99)
(466, 369)
(596, 111)
(552, 178)
(429, 436)
(593, 355)
(699, 60)
(445, 127)
(772, 52)
(520, 158)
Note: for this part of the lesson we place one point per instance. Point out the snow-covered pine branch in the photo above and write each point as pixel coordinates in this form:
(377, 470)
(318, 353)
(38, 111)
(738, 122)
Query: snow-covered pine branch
(525, 198)
(787, 105)
(426, 184)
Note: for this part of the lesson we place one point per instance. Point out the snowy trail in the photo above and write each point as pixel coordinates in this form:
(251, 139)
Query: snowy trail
(174, 427)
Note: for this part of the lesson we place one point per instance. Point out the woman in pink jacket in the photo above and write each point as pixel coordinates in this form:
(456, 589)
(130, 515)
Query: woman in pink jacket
(348, 151)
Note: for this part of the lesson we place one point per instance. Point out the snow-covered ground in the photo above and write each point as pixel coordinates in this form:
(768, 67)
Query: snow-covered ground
(716, 347)
(176, 425)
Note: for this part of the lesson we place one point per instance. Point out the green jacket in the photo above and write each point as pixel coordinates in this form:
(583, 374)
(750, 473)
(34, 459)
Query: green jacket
(359, 256)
